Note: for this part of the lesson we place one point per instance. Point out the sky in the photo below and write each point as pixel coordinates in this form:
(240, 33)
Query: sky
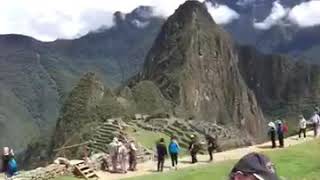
(305, 14)
(48, 20)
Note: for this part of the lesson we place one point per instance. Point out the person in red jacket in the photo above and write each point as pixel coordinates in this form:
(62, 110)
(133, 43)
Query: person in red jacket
(285, 127)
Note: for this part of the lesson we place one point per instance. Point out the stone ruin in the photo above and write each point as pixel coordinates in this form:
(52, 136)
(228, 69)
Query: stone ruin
(60, 167)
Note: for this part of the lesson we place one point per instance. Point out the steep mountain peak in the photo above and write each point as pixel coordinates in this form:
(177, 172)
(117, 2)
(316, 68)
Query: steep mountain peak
(186, 30)
(194, 64)
(191, 9)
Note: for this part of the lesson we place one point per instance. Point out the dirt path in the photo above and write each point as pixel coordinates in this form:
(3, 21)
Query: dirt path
(150, 166)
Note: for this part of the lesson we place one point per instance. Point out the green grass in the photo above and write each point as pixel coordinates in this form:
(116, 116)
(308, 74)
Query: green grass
(148, 138)
(66, 178)
(300, 162)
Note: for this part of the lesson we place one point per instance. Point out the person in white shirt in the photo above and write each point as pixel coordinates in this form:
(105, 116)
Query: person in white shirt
(315, 119)
(114, 153)
(302, 126)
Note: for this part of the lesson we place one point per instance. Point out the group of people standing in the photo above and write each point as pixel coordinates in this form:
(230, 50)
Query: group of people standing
(277, 129)
(8, 164)
(314, 122)
(174, 150)
(123, 155)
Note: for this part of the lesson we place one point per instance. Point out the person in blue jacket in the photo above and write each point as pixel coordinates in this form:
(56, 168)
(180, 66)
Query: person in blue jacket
(174, 150)
(9, 166)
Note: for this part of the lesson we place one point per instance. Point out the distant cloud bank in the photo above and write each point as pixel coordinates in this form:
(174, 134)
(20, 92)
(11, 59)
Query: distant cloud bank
(67, 19)
(306, 14)
(278, 12)
(222, 14)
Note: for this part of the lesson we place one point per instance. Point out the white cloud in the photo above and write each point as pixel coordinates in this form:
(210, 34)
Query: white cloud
(244, 2)
(278, 12)
(222, 14)
(140, 24)
(52, 19)
(306, 14)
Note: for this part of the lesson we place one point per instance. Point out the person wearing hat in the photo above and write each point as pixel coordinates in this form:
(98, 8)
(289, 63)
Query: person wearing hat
(9, 164)
(315, 119)
(302, 126)
(5, 159)
(193, 149)
(253, 166)
(272, 133)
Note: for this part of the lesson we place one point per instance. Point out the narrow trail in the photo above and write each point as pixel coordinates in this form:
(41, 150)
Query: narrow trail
(149, 167)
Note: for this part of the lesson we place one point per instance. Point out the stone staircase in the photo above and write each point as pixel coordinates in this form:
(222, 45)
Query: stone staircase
(114, 128)
(104, 136)
(85, 171)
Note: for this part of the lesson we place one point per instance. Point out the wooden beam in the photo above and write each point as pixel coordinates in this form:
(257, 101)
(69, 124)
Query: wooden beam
(72, 146)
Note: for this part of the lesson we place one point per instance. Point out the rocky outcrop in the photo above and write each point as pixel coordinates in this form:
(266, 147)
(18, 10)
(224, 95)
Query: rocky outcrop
(194, 64)
(279, 82)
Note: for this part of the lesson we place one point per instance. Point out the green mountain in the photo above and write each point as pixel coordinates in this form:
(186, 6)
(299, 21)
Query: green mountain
(193, 71)
(194, 64)
(35, 77)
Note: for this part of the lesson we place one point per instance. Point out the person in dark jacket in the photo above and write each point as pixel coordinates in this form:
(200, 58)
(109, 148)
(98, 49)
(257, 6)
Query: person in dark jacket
(272, 134)
(162, 153)
(212, 145)
(280, 134)
(193, 149)
(132, 156)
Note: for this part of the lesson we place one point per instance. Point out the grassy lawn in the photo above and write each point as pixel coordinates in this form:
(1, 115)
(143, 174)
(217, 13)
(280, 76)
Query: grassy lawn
(148, 138)
(66, 178)
(301, 162)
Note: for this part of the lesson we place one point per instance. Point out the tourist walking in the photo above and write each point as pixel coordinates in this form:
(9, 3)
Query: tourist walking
(193, 149)
(161, 153)
(272, 133)
(212, 145)
(174, 150)
(132, 156)
(302, 126)
(315, 119)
